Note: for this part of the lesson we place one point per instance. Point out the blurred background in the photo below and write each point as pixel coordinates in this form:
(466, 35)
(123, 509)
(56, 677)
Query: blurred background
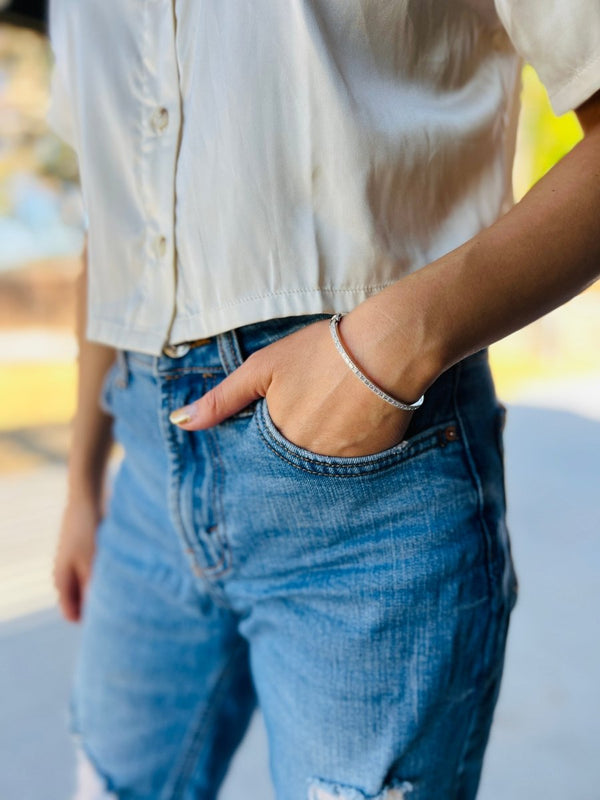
(544, 743)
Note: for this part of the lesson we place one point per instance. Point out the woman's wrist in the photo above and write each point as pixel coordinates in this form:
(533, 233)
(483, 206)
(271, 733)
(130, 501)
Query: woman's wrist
(85, 485)
(347, 358)
(87, 467)
(391, 350)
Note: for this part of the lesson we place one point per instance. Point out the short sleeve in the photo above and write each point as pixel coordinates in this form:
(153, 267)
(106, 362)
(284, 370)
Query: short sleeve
(60, 114)
(561, 40)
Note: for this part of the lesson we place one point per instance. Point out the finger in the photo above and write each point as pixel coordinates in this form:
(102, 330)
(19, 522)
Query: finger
(245, 384)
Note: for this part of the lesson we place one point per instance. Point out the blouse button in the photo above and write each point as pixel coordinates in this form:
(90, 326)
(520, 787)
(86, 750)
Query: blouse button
(160, 244)
(160, 119)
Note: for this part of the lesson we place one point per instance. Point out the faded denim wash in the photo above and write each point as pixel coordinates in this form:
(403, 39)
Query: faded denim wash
(362, 602)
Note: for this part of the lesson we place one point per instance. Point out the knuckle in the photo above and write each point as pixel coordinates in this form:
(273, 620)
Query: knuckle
(213, 400)
(253, 359)
(259, 365)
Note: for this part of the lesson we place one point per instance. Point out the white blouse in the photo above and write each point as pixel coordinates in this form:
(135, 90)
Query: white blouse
(246, 160)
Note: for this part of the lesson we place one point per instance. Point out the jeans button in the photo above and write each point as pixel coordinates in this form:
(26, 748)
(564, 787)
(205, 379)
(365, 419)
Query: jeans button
(176, 350)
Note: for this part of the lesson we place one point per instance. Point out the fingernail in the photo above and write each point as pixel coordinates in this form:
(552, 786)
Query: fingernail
(181, 415)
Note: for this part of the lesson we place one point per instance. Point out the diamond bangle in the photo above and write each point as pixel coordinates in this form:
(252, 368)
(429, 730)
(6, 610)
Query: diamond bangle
(333, 328)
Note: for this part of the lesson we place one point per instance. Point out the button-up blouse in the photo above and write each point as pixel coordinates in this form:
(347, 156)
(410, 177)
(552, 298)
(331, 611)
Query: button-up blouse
(247, 160)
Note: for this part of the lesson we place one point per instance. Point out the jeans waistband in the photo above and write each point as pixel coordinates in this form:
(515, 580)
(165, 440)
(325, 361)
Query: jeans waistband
(226, 351)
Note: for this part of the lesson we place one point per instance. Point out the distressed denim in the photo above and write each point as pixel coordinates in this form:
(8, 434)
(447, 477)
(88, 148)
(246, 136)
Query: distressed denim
(362, 602)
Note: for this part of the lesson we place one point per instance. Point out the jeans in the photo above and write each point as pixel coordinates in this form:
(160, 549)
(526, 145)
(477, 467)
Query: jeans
(362, 602)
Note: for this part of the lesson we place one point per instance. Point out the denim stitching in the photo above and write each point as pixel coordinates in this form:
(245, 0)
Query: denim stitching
(223, 565)
(223, 355)
(472, 469)
(497, 623)
(357, 470)
(497, 633)
(423, 442)
(236, 349)
(169, 433)
(183, 372)
(174, 488)
(229, 351)
(205, 372)
(174, 492)
(218, 503)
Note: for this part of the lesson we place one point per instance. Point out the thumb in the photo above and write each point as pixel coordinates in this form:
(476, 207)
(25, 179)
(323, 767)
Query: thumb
(234, 393)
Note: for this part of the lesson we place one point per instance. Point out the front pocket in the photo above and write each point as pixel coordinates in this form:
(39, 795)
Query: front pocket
(443, 434)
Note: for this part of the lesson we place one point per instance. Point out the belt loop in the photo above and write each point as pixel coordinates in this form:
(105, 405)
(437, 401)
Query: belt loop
(122, 379)
(229, 351)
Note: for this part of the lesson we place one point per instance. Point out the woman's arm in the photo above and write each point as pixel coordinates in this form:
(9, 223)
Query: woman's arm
(90, 446)
(536, 257)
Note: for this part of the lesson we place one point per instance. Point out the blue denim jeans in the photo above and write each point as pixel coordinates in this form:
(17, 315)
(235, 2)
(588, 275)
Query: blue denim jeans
(362, 602)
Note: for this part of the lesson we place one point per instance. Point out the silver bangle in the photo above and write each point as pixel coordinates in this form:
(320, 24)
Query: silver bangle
(333, 325)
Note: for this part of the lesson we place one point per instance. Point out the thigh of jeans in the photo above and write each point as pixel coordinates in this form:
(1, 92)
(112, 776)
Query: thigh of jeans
(374, 593)
(162, 692)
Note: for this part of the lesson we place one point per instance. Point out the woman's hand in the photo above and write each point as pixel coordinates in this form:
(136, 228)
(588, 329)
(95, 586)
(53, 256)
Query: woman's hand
(314, 399)
(75, 554)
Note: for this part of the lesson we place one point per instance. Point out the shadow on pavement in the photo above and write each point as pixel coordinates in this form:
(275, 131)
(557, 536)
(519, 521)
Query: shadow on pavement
(36, 658)
(545, 738)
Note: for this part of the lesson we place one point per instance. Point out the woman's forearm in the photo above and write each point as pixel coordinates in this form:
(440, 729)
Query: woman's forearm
(539, 255)
(91, 433)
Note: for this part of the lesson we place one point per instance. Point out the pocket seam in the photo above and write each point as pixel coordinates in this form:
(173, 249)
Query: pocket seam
(302, 459)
